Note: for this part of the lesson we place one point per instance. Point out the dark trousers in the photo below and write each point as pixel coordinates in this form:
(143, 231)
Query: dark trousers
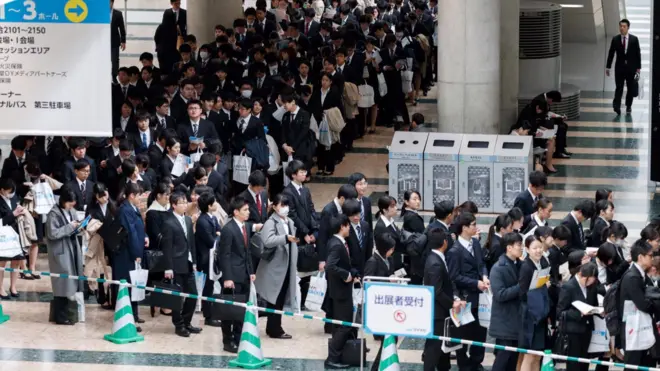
(639, 358)
(578, 346)
(134, 304)
(207, 306)
(276, 183)
(376, 364)
(342, 311)
(349, 133)
(622, 76)
(601, 357)
(61, 306)
(274, 321)
(434, 357)
(304, 288)
(505, 360)
(187, 282)
(395, 104)
(562, 132)
(473, 360)
(231, 330)
(114, 57)
(327, 158)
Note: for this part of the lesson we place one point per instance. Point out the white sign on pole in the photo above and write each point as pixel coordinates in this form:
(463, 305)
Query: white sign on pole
(401, 310)
(55, 67)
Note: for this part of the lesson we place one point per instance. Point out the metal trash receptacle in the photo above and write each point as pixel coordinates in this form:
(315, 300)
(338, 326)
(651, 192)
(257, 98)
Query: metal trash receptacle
(441, 168)
(406, 163)
(514, 160)
(476, 171)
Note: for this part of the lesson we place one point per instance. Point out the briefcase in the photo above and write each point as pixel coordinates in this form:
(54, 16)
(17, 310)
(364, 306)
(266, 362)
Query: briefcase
(155, 260)
(166, 301)
(226, 312)
(308, 258)
(350, 355)
(113, 235)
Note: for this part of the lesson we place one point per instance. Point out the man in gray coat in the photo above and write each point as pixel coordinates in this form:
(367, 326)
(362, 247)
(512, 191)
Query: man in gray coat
(64, 254)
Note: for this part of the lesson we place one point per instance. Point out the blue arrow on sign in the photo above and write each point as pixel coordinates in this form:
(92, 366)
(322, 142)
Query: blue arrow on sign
(78, 10)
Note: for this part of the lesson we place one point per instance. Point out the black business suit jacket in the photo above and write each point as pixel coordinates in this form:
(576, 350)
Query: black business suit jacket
(393, 231)
(301, 211)
(89, 193)
(205, 237)
(576, 323)
(618, 267)
(329, 212)
(7, 213)
(182, 22)
(154, 123)
(338, 268)
(255, 216)
(376, 267)
(633, 287)
(68, 174)
(179, 109)
(137, 141)
(466, 269)
(360, 255)
(117, 28)
(332, 99)
(525, 203)
(12, 170)
(155, 157)
(296, 134)
(314, 28)
(177, 246)
(629, 61)
(532, 223)
(254, 129)
(233, 253)
(577, 234)
(436, 274)
(597, 238)
(185, 131)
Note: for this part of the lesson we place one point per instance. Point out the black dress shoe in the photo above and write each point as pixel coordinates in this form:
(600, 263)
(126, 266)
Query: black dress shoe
(231, 348)
(567, 153)
(212, 322)
(335, 366)
(618, 111)
(138, 328)
(283, 336)
(193, 329)
(64, 323)
(139, 320)
(182, 331)
(5, 297)
(13, 295)
(561, 155)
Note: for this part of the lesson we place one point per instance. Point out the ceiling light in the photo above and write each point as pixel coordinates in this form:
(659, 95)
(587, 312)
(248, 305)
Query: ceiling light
(571, 5)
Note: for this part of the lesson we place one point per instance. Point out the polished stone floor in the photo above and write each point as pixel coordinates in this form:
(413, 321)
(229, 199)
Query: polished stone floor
(609, 152)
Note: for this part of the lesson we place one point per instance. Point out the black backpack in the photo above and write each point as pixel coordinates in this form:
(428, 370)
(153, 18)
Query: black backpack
(611, 309)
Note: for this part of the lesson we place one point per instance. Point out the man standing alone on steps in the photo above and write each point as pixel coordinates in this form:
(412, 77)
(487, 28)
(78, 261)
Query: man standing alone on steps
(628, 65)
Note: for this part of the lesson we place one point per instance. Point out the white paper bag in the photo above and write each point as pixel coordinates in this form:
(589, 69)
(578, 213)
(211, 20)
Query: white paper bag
(217, 288)
(640, 88)
(10, 245)
(179, 166)
(382, 85)
(44, 200)
(138, 276)
(485, 307)
(314, 126)
(639, 328)
(200, 280)
(317, 289)
(366, 96)
(80, 302)
(242, 166)
(325, 138)
(195, 157)
(600, 337)
(273, 156)
(406, 81)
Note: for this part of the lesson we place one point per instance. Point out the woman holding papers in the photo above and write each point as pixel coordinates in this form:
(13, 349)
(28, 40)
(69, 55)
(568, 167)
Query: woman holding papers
(610, 253)
(172, 166)
(534, 302)
(582, 287)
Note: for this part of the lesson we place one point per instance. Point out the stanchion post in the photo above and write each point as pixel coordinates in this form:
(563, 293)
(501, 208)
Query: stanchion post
(402, 281)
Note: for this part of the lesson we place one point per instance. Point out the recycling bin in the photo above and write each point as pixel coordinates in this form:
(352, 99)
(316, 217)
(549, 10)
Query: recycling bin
(441, 168)
(406, 163)
(476, 171)
(514, 160)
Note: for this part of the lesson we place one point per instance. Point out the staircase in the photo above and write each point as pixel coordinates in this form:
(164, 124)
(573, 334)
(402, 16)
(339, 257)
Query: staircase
(142, 17)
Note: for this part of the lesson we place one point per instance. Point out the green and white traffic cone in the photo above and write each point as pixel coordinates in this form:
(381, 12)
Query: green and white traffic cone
(3, 317)
(389, 359)
(123, 326)
(249, 349)
(548, 364)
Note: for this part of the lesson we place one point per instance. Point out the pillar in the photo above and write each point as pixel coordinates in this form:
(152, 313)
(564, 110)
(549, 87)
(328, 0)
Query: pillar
(469, 66)
(204, 15)
(509, 54)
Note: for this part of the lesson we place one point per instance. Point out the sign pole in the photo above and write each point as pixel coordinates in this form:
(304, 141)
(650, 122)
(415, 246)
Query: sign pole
(402, 281)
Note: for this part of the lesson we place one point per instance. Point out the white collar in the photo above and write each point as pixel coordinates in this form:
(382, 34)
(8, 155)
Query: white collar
(530, 192)
(464, 242)
(254, 195)
(440, 254)
(538, 221)
(343, 241)
(337, 205)
(295, 112)
(159, 147)
(575, 218)
(195, 123)
(386, 221)
(641, 271)
(240, 223)
(605, 220)
(80, 182)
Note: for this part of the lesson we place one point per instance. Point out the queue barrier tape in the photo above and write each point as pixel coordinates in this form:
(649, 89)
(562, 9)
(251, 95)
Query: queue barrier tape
(341, 323)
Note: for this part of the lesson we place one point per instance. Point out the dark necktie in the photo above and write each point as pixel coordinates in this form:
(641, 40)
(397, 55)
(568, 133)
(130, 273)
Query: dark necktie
(124, 90)
(163, 123)
(195, 129)
(348, 251)
(49, 144)
(245, 236)
(307, 28)
(624, 44)
(82, 190)
(144, 141)
(360, 237)
(259, 204)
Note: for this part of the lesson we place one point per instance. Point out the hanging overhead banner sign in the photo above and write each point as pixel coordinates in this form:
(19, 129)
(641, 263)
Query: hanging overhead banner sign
(55, 67)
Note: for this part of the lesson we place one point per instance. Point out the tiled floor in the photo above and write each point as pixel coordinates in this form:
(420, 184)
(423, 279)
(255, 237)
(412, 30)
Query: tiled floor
(609, 152)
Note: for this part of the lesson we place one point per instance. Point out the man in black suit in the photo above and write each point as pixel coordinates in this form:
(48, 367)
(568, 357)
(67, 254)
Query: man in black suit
(392, 65)
(468, 271)
(341, 276)
(111, 170)
(179, 103)
(157, 150)
(296, 140)
(309, 27)
(247, 127)
(162, 120)
(78, 150)
(257, 197)
(360, 239)
(301, 209)
(195, 127)
(121, 91)
(444, 217)
(180, 255)
(633, 286)
(13, 165)
(581, 212)
(145, 136)
(436, 274)
(359, 181)
(264, 26)
(207, 230)
(117, 38)
(81, 186)
(526, 199)
(216, 181)
(173, 26)
(235, 263)
(628, 65)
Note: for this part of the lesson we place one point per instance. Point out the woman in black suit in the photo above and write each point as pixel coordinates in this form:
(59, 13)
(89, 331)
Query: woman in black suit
(104, 210)
(324, 98)
(540, 218)
(610, 253)
(9, 211)
(157, 213)
(131, 173)
(605, 211)
(172, 151)
(413, 223)
(126, 120)
(493, 250)
(380, 265)
(387, 210)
